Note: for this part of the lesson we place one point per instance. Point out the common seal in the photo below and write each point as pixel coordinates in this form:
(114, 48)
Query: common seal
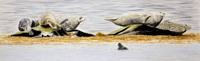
(174, 27)
(48, 19)
(152, 19)
(121, 47)
(69, 23)
(25, 24)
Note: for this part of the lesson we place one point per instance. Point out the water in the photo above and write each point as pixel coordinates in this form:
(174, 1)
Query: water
(11, 11)
(101, 52)
(180, 11)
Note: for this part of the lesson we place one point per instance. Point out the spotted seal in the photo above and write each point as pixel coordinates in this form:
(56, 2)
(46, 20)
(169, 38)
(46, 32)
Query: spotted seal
(152, 19)
(48, 19)
(25, 24)
(69, 23)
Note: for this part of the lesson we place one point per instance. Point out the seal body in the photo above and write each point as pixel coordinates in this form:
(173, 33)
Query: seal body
(151, 19)
(69, 23)
(25, 24)
(48, 19)
(174, 27)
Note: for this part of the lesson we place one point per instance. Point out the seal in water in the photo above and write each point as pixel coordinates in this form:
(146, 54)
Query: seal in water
(121, 47)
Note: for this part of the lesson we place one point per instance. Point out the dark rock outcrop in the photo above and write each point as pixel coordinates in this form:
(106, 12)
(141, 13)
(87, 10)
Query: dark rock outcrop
(141, 29)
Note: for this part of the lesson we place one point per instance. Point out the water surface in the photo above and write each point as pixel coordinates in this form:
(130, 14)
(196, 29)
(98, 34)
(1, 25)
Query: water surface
(11, 11)
(101, 52)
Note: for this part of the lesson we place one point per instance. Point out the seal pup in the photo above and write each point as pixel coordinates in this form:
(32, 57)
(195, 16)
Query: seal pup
(121, 47)
(48, 19)
(151, 19)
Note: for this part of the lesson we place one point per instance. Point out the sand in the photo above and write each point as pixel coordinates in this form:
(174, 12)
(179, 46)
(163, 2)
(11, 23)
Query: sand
(188, 38)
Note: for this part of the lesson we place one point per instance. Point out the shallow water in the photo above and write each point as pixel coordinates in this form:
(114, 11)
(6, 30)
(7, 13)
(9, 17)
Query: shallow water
(101, 52)
(180, 11)
(11, 11)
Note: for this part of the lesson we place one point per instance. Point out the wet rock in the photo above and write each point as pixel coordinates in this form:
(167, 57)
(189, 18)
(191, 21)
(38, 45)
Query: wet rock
(173, 27)
(81, 33)
(151, 19)
(121, 47)
(141, 29)
(45, 31)
(26, 34)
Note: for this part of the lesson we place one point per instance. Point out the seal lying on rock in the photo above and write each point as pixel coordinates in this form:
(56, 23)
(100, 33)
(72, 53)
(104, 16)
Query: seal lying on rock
(151, 19)
(48, 19)
(174, 27)
(25, 24)
(48, 25)
(69, 23)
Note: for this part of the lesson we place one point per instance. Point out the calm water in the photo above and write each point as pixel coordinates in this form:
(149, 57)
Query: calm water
(11, 11)
(101, 52)
(180, 11)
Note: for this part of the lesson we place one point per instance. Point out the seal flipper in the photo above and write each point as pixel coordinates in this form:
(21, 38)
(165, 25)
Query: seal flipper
(121, 47)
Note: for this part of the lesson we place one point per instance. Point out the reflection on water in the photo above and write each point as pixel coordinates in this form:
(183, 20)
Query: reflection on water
(11, 11)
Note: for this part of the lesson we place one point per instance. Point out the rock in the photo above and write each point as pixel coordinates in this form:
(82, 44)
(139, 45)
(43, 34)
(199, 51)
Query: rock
(121, 47)
(72, 33)
(69, 23)
(45, 31)
(125, 29)
(26, 34)
(141, 29)
(79, 33)
(173, 27)
(151, 19)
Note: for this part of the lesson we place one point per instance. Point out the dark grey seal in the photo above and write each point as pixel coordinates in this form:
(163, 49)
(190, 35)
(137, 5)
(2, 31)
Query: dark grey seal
(121, 47)
(25, 24)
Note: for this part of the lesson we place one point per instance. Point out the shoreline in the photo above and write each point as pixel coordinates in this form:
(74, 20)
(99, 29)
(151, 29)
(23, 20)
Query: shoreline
(187, 38)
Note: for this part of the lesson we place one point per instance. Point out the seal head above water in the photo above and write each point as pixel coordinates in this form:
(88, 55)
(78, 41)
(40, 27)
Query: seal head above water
(121, 47)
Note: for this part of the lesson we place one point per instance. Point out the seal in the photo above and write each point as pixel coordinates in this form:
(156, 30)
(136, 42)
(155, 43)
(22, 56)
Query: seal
(174, 27)
(151, 19)
(69, 23)
(48, 19)
(121, 47)
(25, 24)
